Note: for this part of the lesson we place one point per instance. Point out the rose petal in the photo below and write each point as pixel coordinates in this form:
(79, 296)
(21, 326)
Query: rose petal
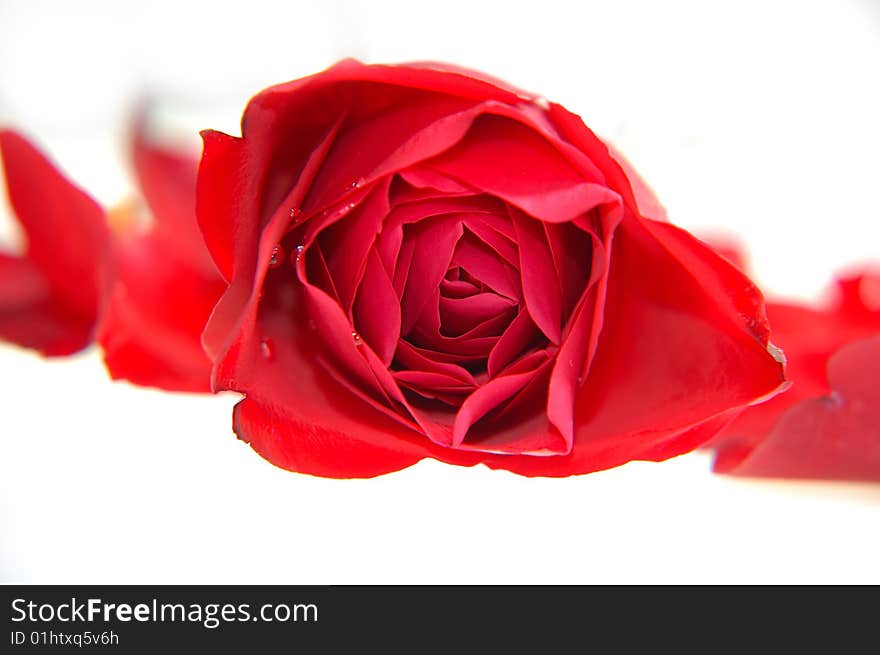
(581, 335)
(834, 437)
(484, 227)
(426, 178)
(543, 183)
(519, 334)
(377, 310)
(404, 112)
(411, 358)
(646, 200)
(482, 263)
(434, 241)
(166, 282)
(572, 252)
(28, 316)
(347, 243)
(572, 129)
(540, 283)
(809, 336)
(478, 341)
(684, 358)
(520, 426)
(21, 284)
(166, 178)
(492, 394)
(151, 330)
(233, 235)
(67, 245)
(460, 315)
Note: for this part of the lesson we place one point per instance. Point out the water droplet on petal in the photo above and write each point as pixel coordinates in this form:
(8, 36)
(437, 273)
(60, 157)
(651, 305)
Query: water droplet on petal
(357, 183)
(543, 103)
(277, 256)
(267, 348)
(297, 254)
(295, 213)
(357, 338)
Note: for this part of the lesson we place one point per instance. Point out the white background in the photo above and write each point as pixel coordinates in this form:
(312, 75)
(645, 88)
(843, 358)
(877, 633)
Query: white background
(753, 118)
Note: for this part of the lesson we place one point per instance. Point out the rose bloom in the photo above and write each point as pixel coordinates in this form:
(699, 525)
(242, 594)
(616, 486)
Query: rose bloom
(420, 261)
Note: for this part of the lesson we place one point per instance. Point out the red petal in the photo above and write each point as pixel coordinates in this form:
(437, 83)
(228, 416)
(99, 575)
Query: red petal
(347, 243)
(309, 444)
(834, 437)
(519, 334)
(544, 183)
(67, 246)
(581, 337)
(166, 178)
(686, 354)
(414, 359)
(478, 259)
(166, 283)
(493, 393)
(646, 200)
(151, 331)
(809, 337)
(239, 239)
(434, 240)
(377, 310)
(540, 284)
(225, 193)
(21, 284)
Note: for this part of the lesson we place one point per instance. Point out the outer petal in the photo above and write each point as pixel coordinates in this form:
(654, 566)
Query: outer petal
(646, 200)
(321, 428)
(50, 299)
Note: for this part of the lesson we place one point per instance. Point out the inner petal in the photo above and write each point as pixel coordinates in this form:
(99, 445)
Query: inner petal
(433, 244)
(483, 264)
(460, 315)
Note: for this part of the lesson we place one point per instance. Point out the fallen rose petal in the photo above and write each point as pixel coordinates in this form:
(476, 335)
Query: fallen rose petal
(831, 437)
(166, 284)
(51, 296)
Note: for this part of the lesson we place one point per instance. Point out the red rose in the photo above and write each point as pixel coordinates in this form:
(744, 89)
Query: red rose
(51, 296)
(422, 262)
(827, 425)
